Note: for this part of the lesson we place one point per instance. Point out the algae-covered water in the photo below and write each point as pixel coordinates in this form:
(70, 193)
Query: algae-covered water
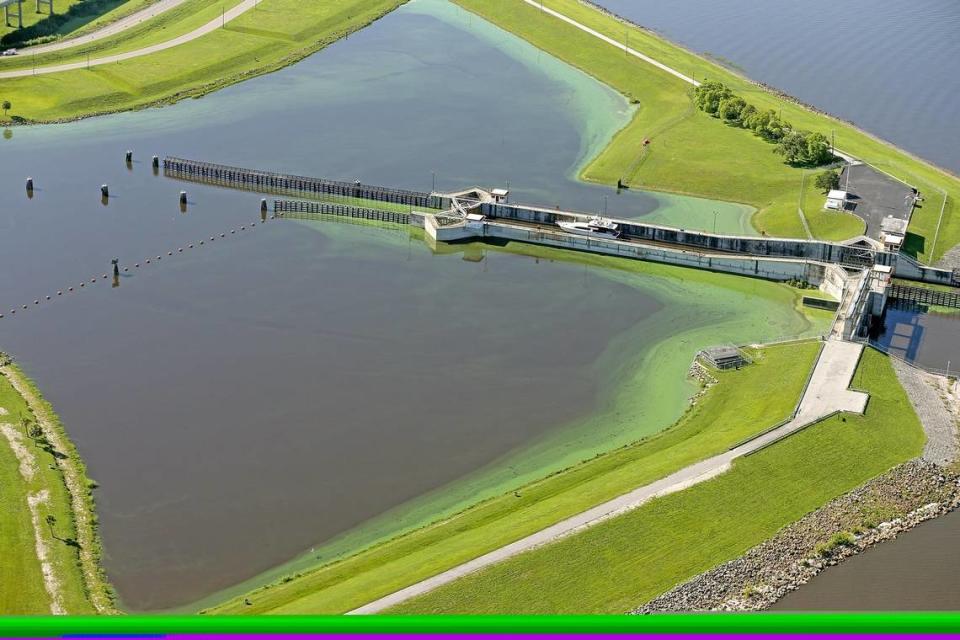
(271, 391)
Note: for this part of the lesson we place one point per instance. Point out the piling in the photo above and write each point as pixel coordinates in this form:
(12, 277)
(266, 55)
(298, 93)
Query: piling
(129, 156)
(30, 186)
(183, 198)
(104, 191)
(156, 162)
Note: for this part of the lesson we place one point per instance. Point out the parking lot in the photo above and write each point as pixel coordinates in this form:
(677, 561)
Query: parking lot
(874, 195)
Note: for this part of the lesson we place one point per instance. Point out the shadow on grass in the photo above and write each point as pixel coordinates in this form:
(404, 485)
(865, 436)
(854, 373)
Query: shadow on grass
(914, 245)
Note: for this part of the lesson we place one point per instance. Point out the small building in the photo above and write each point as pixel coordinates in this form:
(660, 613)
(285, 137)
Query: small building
(836, 200)
(893, 231)
(724, 357)
(500, 196)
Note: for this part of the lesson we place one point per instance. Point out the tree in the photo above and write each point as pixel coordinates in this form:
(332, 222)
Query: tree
(828, 180)
(818, 149)
(730, 109)
(709, 95)
(51, 522)
(6, 107)
(793, 147)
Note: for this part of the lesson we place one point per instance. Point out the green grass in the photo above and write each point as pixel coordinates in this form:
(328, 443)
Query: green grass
(693, 153)
(30, 15)
(21, 586)
(826, 224)
(618, 565)
(745, 402)
(271, 36)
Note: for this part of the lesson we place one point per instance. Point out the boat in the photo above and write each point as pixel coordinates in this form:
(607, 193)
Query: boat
(597, 227)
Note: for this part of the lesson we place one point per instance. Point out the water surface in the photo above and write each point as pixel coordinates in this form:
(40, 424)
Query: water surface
(244, 400)
(887, 66)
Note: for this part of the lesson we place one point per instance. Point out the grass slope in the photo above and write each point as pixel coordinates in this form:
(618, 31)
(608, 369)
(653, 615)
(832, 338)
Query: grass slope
(696, 154)
(275, 34)
(21, 582)
(625, 562)
(743, 403)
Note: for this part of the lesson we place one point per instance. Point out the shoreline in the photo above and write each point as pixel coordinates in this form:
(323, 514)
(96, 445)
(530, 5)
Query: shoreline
(909, 494)
(79, 487)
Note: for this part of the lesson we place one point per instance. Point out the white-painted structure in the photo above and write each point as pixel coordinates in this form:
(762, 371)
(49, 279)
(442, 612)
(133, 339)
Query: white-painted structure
(836, 200)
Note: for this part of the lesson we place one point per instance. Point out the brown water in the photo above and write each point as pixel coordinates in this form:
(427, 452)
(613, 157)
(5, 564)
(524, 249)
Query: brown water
(916, 572)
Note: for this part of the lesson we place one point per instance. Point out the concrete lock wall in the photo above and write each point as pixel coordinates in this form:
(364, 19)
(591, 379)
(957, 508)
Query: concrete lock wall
(778, 269)
(781, 247)
(907, 267)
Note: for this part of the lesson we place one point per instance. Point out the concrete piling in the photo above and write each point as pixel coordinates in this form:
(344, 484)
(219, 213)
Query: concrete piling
(156, 162)
(183, 198)
(129, 156)
(29, 185)
(104, 191)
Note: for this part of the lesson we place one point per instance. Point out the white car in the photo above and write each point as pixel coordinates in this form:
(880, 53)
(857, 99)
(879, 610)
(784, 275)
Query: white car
(9, 52)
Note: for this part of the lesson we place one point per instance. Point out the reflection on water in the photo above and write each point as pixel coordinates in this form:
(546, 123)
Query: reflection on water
(929, 339)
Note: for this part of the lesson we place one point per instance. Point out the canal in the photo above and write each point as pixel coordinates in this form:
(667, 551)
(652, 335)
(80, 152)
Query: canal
(294, 390)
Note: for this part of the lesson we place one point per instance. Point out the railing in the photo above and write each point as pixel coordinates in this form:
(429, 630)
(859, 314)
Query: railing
(925, 296)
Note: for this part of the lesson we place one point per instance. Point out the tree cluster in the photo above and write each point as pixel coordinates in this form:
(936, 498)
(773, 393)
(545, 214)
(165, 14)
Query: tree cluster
(796, 146)
(828, 180)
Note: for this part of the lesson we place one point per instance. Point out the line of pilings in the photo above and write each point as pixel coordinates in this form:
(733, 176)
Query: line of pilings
(117, 269)
(285, 184)
(317, 210)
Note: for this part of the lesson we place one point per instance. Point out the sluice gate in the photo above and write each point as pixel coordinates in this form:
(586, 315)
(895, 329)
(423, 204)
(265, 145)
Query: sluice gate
(285, 184)
(317, 210)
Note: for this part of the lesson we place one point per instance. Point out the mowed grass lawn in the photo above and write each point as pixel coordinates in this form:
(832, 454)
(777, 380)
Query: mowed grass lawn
(696, 154)
(744, 402)
(30, 14)
(21, 580)
(274, 34)
(618, 565)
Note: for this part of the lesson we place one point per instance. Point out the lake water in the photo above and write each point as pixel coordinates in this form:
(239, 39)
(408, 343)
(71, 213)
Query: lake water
(246, 399)
(888, 66)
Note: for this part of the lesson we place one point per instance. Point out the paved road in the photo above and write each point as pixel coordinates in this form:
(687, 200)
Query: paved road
(111, 29)
(826, 393)
(213, 25)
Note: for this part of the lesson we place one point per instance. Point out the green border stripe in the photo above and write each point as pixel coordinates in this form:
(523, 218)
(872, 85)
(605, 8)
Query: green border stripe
(722, 623)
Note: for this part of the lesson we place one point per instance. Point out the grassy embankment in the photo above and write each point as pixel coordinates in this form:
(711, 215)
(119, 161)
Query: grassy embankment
(743, 403)
(36, 473)
(273, 35)
(693, 153)
(624, 562)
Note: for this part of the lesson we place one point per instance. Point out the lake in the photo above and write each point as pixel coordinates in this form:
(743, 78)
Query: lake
(294, 386)
(887, 66)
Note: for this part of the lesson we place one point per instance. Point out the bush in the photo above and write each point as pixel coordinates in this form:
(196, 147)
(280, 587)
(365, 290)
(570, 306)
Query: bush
(841, 539)
(828, 180)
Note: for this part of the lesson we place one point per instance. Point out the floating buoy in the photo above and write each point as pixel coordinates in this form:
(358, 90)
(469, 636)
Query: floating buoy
(212, 238)
(104, 276)
(180, 250)
(82, 284)
(223, 235)
(24, 306)
(243, 228)
(201, 242)
(190, 246)
(148, 262)
(48, 297)
(232, 231)
(158, 258)
(169, 253)
(59, 293)
(137, 266)
(36, 302)
(70, 289)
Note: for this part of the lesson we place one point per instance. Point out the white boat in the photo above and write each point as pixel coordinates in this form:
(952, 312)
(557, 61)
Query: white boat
(597, 227)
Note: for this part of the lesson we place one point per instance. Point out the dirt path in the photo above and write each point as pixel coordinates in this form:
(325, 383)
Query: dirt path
(76, 486)
(106, 31)
(27, 464)
(211, 26)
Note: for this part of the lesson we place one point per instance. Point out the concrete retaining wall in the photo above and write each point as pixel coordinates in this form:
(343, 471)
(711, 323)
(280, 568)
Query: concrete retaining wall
(774, 247)
(908, 268)
(778, 269)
